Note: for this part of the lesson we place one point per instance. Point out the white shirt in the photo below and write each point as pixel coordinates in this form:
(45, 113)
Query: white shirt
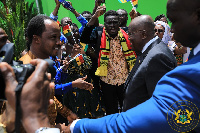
(149, 43)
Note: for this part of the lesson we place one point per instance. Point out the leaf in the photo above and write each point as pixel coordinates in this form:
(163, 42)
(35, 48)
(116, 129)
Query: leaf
(14, 23)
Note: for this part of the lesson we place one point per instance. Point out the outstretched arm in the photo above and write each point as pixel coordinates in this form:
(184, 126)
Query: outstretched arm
(153, 115)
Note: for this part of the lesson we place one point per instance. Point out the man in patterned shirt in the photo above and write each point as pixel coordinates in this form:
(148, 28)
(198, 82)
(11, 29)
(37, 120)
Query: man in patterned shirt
(115, 57)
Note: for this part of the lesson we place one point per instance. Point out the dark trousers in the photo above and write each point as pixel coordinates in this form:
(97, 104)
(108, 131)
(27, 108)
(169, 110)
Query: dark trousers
(112, 95)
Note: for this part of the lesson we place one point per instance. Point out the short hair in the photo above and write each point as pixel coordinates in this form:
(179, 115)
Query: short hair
(123, 10)
(35, 26)
(159, 17)
(110, 13)
(74, 25)
(86, 12)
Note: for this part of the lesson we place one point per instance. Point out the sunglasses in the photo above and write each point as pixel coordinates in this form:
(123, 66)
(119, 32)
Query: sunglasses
(158, 30)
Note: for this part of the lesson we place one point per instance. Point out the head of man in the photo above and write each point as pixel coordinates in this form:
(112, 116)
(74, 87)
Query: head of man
(123, 17)
(87, 15)
(111, 22)
(161, 17)
(159, 30)
(141, 31)
(3, 38)
(185, 18)
(66, 21)
(43, 36)
(76, 36)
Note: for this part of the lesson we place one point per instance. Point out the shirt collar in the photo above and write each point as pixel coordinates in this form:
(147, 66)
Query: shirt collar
(149, 43)
(196, 49)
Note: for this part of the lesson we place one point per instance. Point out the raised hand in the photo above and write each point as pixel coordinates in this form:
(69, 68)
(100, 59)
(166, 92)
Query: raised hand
(133, 14)
(57, 2)
(100, 11)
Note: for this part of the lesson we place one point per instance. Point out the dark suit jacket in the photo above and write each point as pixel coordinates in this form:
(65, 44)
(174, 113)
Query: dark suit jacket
(150, 66)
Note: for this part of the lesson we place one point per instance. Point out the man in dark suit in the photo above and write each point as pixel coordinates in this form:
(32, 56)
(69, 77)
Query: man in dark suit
(153, 61)
(177, 90)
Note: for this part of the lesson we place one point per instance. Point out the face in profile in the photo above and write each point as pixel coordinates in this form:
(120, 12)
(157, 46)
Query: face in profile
(112, 25)
(135, 37)
(50, 38)
(185, 22)
(159, 31)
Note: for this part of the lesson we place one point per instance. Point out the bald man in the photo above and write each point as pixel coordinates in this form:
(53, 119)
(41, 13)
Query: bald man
(174, 106)
(153, 61)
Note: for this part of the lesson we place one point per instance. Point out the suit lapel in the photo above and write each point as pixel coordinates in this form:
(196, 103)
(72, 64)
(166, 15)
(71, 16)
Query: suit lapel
(139, 61)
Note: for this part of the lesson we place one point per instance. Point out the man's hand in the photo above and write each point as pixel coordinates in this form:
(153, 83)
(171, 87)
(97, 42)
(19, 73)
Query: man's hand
(69, 3)
(72, 116)
(34, 96)
(98, 2)
(65, 65)
(67, 129)
(57, 3)
(62, 127)
(133, 14)
(100, 11)
(81, 84)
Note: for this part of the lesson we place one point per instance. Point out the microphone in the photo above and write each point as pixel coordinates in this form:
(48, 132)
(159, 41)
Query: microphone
(67, 5)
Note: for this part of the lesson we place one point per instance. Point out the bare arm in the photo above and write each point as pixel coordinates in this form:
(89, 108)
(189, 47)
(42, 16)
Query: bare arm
(100, 11)
(55, 11)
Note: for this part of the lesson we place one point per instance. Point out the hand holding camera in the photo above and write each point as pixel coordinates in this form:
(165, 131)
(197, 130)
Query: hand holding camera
(37, 85)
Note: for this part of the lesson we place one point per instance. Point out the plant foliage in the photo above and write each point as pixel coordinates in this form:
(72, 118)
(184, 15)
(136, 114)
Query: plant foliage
(14, 18)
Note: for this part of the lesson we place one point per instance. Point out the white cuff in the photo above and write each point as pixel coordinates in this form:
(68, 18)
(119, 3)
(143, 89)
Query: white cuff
(73, 125)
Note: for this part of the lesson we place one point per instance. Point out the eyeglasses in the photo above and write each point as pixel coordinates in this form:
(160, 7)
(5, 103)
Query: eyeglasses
(158, 30)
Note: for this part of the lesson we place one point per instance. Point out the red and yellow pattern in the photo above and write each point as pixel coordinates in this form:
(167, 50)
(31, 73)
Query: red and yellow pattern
(105, 49)
(67, 30)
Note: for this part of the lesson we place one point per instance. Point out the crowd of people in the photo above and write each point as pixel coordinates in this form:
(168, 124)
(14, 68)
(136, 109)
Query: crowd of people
(124, 78)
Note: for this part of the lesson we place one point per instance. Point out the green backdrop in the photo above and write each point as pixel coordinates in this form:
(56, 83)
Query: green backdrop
(148, 7)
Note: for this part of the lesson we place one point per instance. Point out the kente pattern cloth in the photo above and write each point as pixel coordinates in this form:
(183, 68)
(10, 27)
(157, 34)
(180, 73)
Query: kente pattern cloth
(105, 49)
(117, 66)
(85, 103)
(179, 59)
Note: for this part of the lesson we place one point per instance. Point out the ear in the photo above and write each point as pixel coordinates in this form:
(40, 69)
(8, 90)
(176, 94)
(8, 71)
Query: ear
(36, 39)
(144, 34)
